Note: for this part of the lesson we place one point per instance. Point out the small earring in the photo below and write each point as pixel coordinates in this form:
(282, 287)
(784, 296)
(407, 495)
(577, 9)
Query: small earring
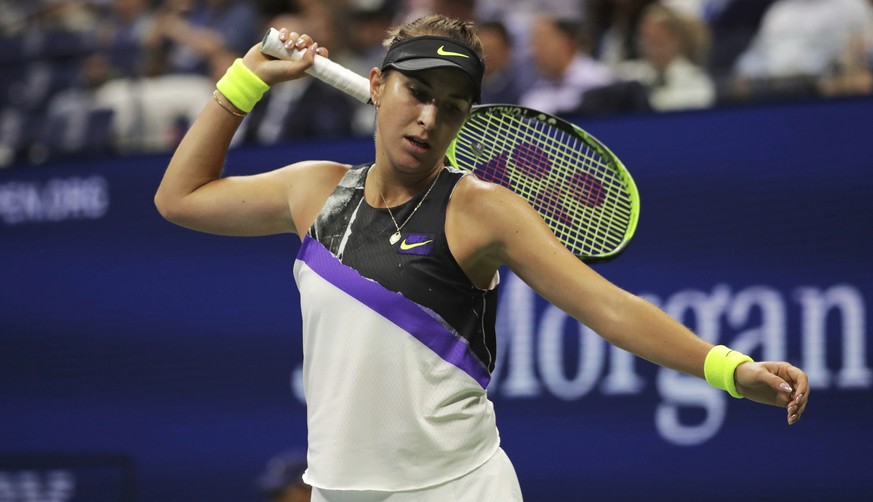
(377, 104)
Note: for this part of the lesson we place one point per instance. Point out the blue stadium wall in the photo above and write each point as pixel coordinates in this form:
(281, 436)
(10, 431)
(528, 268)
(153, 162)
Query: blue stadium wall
(142, 361)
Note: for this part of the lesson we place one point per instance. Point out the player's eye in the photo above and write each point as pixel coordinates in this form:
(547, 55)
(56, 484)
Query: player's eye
(419, 94)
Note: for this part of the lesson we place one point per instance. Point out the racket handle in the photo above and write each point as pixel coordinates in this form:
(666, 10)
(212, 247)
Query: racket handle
(333, 74)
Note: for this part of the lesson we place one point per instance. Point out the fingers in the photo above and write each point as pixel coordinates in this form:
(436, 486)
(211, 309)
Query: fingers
(775, 383)
(301, 49)
(798, 405)
(295, 41)
(799, 395)
(795, 409)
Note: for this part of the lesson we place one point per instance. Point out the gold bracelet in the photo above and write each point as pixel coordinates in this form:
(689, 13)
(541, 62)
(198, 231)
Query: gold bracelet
(226, 108)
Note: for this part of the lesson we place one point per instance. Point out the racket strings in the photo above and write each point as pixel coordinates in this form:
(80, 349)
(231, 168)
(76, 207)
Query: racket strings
(571, 154)
(568, 182)
(609, 223)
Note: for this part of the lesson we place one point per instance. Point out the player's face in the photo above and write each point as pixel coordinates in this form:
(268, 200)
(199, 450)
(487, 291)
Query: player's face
(419, 116)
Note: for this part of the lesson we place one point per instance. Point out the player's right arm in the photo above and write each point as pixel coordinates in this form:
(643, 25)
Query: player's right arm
(194, 194)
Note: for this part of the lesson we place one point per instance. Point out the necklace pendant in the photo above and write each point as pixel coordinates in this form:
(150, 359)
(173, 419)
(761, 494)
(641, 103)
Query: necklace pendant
(394, 238)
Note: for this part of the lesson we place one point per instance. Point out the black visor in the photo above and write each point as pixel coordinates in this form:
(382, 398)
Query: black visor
(426, 53)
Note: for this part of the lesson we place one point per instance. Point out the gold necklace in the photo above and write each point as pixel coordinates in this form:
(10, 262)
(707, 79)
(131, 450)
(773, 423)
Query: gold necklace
(396, 235)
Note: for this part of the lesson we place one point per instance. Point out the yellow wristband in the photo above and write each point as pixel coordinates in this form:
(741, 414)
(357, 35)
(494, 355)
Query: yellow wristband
(241, 86)
(719, 368)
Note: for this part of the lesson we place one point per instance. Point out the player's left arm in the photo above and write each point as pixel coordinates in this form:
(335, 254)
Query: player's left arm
(501, 228)
(507, 231)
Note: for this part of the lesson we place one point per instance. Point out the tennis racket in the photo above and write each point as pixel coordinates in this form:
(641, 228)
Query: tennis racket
(579, 187)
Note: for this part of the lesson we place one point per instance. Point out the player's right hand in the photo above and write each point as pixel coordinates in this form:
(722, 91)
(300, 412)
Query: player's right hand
(272, 70)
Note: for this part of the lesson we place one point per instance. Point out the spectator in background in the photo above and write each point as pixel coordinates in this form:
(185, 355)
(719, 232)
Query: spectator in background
(853, 73)
(282, 480)
(613, 26)
(151, 114)
(565, 70)
(302, 108)
(799, 43)
(368, 22)
(705, 10)
(75, 122)
(192, 36)
(42, 68)
(672, 49)
(185, 41)
(501, 84)
(455, 9)
(465, 10)
(516, 16)
(121, 35)
(732, 28)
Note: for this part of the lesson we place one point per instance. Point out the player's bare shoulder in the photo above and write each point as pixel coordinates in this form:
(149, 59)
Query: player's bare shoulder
(311, 180)
(492, 217)
(484, 200)
(480, 214)
(308, 184)
(314, 172)
(470, 188)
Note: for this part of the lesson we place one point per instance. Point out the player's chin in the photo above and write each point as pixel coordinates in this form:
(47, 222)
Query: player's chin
(417, 158)
(416, 162)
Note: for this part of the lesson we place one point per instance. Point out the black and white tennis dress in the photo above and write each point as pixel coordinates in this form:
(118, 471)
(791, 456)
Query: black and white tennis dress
(398, 345)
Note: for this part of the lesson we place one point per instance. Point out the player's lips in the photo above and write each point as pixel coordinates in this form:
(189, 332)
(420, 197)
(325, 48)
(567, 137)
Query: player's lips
(417, 143)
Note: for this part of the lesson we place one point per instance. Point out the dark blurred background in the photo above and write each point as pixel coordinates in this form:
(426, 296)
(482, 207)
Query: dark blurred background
(140, 361)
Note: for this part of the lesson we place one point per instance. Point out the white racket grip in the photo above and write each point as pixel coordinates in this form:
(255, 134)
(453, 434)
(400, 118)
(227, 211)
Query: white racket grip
(324, 69)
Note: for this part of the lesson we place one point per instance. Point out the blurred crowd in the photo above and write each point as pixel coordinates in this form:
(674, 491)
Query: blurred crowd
(85, 77)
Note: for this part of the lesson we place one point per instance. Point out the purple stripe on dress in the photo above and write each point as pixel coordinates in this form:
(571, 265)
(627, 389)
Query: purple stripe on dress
(395, 307)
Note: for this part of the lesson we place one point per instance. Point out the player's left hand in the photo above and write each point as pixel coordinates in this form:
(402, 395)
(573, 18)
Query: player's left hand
(776, 384)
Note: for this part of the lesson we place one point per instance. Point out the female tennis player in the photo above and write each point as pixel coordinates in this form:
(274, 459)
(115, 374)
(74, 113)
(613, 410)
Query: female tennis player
(398, 274)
